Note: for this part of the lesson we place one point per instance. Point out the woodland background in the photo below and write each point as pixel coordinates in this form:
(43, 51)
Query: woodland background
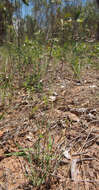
(49, 94)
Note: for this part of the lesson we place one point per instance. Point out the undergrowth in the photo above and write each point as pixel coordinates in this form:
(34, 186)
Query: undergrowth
(40, 159)
(27, 65)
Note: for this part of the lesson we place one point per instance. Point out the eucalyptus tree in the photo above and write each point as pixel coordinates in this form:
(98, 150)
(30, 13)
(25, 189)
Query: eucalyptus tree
(6, 12)
(97, 34)
(49, 13)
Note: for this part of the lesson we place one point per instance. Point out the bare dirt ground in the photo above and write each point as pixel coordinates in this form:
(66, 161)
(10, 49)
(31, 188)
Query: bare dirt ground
(71, 108)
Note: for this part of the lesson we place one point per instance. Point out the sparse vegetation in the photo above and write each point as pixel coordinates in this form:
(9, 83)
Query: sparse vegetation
(49, 65)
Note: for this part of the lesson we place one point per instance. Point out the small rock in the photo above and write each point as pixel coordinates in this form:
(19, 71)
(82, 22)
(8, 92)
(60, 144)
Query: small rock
(52, 98)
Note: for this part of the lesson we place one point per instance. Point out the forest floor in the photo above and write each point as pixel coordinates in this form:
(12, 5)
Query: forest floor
(63, 120)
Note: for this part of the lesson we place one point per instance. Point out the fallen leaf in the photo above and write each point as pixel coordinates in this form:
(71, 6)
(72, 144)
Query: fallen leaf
(67, 155)
(52, 98)
(72, 116)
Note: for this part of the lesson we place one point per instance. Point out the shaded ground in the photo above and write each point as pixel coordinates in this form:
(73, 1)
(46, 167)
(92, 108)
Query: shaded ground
(68, 111)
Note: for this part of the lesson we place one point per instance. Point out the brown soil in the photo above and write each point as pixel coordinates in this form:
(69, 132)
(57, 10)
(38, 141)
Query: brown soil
(71, 108)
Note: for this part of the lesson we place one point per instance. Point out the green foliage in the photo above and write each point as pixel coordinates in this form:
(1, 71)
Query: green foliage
(76, 67)
(28, 63)
(30, 57)
(39, 159)
(32, 82)
(1, 116)
(26, 2)
(5, 81)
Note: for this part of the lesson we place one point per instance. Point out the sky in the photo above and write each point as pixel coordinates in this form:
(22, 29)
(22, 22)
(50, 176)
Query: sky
(27, 10)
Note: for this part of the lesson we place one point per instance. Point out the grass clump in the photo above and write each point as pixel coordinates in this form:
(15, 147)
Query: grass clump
(39, 159)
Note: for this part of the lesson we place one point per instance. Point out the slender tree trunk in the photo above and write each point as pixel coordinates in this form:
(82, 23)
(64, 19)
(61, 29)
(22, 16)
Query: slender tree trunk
(97, 32)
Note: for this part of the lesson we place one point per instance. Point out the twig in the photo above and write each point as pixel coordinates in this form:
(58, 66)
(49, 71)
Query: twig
(79, 153)
(83, 174)
(78, 160)
(76, 137)
(78, 181)
(92, 140)
(94, 121)
(86, 140)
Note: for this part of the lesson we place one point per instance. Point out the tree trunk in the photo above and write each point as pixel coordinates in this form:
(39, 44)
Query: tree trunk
(97, 33)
